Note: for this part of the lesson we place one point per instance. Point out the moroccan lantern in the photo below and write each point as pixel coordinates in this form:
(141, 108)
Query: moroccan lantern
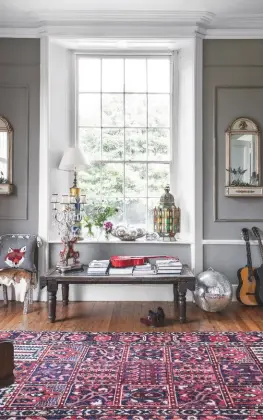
(166, 216)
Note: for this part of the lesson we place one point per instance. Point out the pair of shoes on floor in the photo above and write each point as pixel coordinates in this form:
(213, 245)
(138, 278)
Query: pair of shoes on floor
(154, 319)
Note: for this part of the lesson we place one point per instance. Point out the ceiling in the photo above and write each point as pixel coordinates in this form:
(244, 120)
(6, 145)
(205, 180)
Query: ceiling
(207, 14)
(213, 6)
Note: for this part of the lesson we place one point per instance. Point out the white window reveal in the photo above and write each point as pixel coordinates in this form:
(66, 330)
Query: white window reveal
(124, 127)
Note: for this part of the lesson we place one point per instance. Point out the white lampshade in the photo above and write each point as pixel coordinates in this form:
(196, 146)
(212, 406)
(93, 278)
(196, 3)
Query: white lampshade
(73, 159)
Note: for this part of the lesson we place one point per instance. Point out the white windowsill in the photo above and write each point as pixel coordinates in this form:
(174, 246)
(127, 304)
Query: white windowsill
(139, 241)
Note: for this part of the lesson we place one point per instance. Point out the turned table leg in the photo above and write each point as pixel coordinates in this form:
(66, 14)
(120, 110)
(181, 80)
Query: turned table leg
(175, 288)
(52, 288)
(182, 288)
(65, 292)
(5, 294)
(7, 363)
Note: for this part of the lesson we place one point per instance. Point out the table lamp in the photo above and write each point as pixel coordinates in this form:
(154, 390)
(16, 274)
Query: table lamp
(73, 160)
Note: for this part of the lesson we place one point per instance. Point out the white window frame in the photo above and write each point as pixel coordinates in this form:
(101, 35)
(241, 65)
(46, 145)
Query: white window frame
(173, 104)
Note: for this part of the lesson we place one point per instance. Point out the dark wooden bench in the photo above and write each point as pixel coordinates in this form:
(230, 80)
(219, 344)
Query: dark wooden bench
(181, 282)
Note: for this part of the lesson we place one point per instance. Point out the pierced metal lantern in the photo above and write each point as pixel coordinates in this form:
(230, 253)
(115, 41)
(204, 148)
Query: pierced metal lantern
(166, 216)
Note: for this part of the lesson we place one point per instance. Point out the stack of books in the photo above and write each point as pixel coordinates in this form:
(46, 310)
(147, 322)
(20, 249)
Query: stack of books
(69, 268)
(168, 266)
(143, 270)
(98, 268)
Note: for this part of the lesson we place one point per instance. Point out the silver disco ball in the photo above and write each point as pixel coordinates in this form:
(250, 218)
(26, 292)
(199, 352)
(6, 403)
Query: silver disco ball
(213, 291)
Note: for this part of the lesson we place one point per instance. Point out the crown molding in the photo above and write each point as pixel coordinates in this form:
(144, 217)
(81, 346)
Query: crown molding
(74, 18)
(238, 21)
(234, 33)
(120, 31)
(125, 24)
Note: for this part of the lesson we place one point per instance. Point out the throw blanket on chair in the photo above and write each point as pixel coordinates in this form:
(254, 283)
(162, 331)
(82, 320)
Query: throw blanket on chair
(21, 280)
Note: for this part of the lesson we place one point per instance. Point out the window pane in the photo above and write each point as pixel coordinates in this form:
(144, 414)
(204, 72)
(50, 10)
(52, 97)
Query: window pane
(112, 144)
(112, 110)
(111, 180)
(159, 110)
(159, 144)
(135, 75)
(135, 179)
(89, 180)
(123, 123)
(135, 110)
(158, 178)
(118, 203)
(98, 201)
(158, 71)
(89, 74)
(135, 144)
(112, 75)
(89, 142)
(136, 211)
(89, 109)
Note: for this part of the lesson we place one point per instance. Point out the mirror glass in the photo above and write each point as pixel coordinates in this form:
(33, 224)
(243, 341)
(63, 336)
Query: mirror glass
(3, 157)
(243, 170)
(6, 140)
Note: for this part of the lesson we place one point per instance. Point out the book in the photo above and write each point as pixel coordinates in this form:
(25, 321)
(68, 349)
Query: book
(143, 267)
(125, 271)
(69, 268)
(168, 272)
(99, 263)
(141, 273)
(173, 263)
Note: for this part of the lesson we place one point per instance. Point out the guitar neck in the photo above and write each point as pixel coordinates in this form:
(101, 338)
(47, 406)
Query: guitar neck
(249, 259)
(260, 248)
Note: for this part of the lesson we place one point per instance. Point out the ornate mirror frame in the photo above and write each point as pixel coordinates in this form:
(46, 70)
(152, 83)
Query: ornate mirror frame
(239, 126)
(6, 186)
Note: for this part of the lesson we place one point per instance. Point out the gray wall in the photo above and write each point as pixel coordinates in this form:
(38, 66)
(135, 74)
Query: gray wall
(19, 103)
(233, 87)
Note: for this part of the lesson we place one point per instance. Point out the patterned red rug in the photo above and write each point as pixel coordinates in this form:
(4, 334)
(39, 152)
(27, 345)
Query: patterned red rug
(206, 376)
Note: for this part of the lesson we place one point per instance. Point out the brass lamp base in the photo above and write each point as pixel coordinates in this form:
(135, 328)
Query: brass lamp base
(75, 191)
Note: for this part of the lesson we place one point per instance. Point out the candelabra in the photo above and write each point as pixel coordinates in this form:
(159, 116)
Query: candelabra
(67, 213)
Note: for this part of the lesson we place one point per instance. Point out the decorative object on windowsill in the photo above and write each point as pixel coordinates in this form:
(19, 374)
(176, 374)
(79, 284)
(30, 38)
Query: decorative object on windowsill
(152, 236)
(6, 155)
(127, 232)
(213, 291)
(97, 217)
(107, 226)
(243, 164)
(166, 216)
(67, 214)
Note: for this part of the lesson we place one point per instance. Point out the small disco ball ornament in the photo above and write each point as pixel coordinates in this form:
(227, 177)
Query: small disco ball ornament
(213, 291)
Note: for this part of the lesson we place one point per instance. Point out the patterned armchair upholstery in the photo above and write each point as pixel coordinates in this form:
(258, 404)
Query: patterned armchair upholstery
(23, 281)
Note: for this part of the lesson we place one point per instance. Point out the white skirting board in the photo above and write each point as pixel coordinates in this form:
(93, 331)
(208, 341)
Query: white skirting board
(106, 293)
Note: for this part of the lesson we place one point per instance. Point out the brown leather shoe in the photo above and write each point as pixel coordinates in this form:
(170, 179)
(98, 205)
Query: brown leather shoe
(160, 316)
(150, 320)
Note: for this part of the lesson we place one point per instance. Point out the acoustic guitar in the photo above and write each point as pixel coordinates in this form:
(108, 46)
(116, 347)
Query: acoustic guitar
(259, 270)
(246, 291)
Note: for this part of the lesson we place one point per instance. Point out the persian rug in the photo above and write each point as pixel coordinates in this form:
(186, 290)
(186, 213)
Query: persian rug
(78, 375)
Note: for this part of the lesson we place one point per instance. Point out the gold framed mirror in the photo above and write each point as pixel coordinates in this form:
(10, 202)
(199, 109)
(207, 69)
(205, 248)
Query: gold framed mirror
(6, 164)
(243, 166)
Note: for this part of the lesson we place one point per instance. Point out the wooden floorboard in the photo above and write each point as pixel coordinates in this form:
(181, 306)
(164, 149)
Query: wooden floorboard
(125, 316)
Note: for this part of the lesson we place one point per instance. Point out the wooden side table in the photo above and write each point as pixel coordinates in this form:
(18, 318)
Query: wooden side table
(6, 363)
(181, 282)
